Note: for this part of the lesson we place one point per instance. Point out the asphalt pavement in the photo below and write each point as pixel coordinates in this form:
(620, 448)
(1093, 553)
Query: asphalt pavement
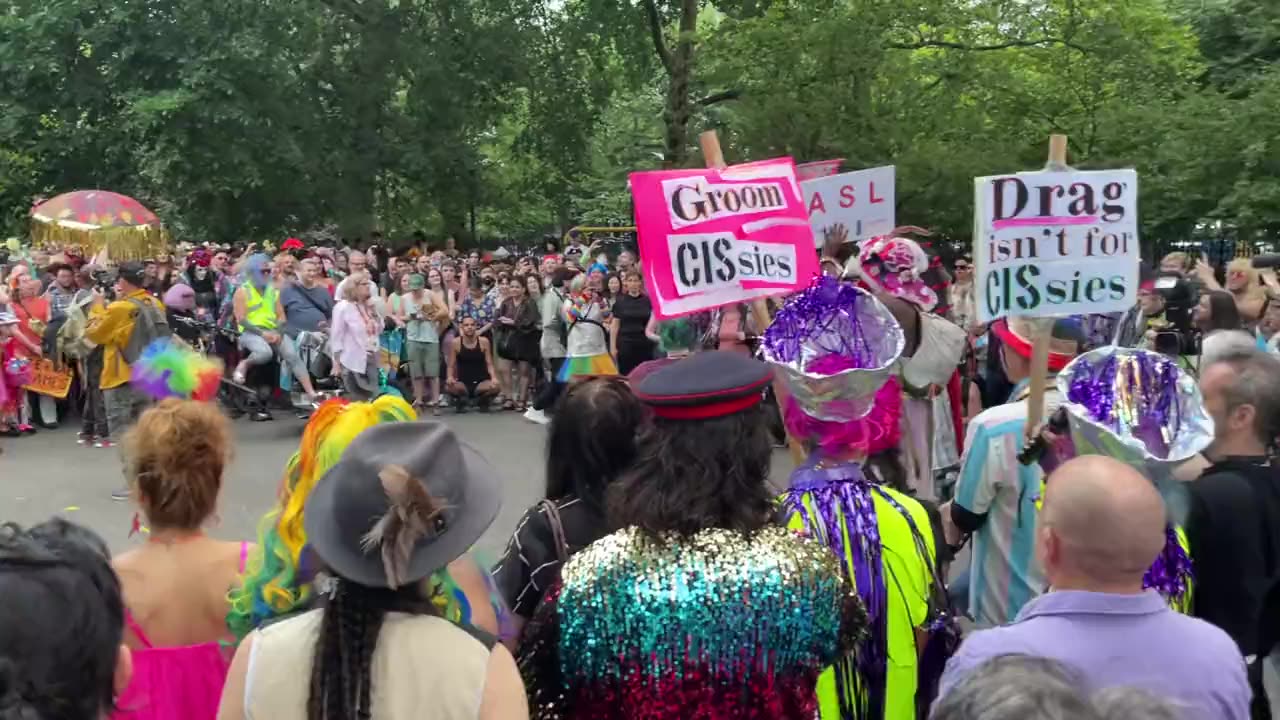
(49, 474)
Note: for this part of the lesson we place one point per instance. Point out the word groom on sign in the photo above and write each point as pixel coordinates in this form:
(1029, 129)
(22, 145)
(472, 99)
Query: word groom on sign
(711, 237)
(1056, 243)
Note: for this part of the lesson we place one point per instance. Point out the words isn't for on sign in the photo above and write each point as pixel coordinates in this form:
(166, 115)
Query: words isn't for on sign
(1013, 270)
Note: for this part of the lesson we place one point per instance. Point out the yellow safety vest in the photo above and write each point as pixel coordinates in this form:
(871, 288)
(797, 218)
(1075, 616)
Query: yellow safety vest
(260, 310)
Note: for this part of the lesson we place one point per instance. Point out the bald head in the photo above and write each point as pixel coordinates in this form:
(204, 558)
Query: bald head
(1106, 522)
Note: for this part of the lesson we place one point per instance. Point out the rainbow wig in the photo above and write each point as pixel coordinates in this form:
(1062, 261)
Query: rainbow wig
(274, 582)
(876, 432)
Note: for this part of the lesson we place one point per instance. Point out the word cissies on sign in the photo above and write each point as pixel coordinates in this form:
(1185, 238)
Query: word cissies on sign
(711, 237)
(1056, 243)
(862, 201)
(48, 380)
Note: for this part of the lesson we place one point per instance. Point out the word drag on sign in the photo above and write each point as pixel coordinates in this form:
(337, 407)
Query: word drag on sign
(1056, 243)
(861, 201)
(712, 237)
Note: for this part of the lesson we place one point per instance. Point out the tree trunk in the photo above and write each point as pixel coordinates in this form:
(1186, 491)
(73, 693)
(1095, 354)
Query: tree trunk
(680, 73)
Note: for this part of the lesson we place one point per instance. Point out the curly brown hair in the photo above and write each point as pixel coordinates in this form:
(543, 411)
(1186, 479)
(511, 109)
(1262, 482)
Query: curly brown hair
(174, 459)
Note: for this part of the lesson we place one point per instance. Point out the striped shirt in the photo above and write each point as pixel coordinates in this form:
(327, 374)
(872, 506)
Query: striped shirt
(1004, 573)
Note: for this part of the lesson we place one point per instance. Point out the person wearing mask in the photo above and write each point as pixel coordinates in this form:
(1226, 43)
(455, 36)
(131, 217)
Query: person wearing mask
(471, 377)
(1233, 520)
(176, 583)
(590, 443)
(112, 327)
(1101, 526)
(353, 338)
(425, 314)
(307, 304)
(552, 344)
(404, 502)
(205, 280)
(62, 649)
(995, 493)
(520, 317)
(629, 344)
(260, 319)
(697, 536)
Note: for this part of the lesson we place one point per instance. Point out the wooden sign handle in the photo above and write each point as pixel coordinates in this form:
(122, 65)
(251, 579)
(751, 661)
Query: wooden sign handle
(711, 153)
(1043, 327)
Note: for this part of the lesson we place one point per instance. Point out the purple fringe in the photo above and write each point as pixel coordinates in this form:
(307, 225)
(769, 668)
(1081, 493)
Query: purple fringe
(1171, 574)
(842, 500)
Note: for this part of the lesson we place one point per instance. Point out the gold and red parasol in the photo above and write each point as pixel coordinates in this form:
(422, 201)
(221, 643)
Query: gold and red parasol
(98, 219)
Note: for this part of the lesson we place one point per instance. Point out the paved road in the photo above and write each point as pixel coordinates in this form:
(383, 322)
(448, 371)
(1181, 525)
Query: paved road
(49, 474)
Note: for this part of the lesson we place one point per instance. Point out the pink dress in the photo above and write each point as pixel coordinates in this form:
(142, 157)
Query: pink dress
(177, 683)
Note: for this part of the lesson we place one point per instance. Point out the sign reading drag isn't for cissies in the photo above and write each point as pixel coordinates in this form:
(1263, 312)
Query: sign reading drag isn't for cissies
(1056, 243)
(709, 237)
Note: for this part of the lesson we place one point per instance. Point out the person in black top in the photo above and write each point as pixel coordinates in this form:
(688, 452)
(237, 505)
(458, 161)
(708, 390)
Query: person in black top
(1233, 522)
(628, 342)
(591, 442)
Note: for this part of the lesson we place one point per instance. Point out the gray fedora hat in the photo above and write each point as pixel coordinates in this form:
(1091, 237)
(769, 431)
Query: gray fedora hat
(348, 506)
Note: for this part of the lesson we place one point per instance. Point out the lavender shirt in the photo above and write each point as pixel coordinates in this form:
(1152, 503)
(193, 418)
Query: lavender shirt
(1129, 640)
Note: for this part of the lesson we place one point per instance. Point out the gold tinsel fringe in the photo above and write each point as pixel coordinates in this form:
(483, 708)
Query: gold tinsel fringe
(136, 242)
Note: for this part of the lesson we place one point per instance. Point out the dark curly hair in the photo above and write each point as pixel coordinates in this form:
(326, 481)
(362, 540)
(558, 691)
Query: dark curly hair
(62, 625)
(691, 476)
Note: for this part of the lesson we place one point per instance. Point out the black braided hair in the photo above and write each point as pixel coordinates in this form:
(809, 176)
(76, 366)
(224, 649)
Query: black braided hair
(341, 682)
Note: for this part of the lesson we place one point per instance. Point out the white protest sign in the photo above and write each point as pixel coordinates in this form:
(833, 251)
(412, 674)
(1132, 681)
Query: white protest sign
(862, 201)
(1056, 243)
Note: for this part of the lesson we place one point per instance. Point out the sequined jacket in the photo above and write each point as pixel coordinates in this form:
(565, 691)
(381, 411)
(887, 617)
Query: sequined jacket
(713, 625)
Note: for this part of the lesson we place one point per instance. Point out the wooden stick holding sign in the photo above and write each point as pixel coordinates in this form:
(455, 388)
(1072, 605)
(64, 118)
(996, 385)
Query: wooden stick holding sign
(714, 157)
(1043, 327)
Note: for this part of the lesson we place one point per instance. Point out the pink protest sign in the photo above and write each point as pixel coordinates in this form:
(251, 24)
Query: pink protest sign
(711, 237)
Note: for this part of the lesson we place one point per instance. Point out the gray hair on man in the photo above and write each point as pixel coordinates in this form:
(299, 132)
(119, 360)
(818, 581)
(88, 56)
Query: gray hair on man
(1256, 383)
(1023, 687)
(1218, 345)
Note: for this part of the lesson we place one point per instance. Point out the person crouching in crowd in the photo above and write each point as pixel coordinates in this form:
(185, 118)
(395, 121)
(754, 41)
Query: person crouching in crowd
(280, 572)
(650, 621)
(405, 501)
(590, 443)
(176, 583)
(62, 651)
(471, 378)
(353, 338)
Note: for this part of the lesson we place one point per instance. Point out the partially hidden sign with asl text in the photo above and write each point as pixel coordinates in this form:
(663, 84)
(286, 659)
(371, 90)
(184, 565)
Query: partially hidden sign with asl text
(1056, 243)
(861, 201)
(48, 380)
(711, 237)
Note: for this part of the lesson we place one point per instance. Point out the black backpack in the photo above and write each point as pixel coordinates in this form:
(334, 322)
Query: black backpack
(149, 324)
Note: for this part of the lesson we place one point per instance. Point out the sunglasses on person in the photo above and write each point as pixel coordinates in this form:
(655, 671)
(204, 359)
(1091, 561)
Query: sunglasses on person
(963, 266)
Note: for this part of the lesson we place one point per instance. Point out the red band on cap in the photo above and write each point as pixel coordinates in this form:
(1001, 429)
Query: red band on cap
(1023, 347)
(706, 412)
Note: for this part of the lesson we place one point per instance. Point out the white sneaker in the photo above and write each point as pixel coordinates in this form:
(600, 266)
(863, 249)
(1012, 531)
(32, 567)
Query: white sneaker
(536, 416)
